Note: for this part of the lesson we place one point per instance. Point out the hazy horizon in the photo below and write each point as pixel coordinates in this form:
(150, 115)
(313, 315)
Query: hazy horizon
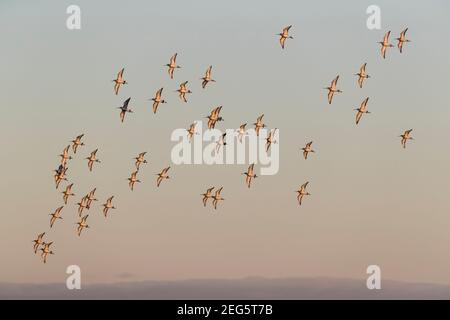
(372, 202)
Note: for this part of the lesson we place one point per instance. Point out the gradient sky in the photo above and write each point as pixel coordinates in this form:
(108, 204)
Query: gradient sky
(372, 202)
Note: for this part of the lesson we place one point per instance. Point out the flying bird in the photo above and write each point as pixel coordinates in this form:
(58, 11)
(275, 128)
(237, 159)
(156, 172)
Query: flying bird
(361, 110)
(402, 39)
(249, 175)
(67, 193)
(362, 75)
(90, 197)
(133, 179)
(38, 241)
(214, 117)
(269, 139)
(157, 100)
(191, 131)
(259, 124)
(385, 44)
(207, 195)
(92, 158)
(172, 65)
(60, 175)
(241, 132)
(302, 192)
(46, 251)
(82, 205)
(332, 89)
(217, 197)
(161, 176)
(124, 109)
(55, 215)
(405, 137)
(221, 142)
(307, 149)
(183, 90)
(77, 142)
(108, 205)
(119, 81)
(140, 159)
(207, 77)
(284, 35)
(82, 224)
(65, 156)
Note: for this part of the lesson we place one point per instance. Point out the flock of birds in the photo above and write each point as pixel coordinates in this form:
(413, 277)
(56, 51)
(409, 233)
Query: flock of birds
(86, 202)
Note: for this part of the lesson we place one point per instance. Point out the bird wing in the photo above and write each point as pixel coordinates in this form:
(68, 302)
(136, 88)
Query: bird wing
(330, 96)
(116, 88)
(126, 102)
(158, 181)
(383, 52)
(363, 68)
(120, 74)
(155, 106)
(358, 116)
(386, 37)
(282, 41)
(360, 81)
(173, 59)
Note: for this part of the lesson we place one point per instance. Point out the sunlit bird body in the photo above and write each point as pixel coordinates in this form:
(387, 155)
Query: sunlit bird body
(207, 78)
(405, 137)
(60, 175)
(90, 197)
(270, 139)
(302, 192)
(65, 156)
(38, 241)
(241, 132)
(133, 179)
(332, 89)
(284, 35)
(68, 193)
(162, 176)
(217, 197)
(82, 205)
(172, 65)
(207, 195)
(157, 100)
(82, 224)
(77, 142)
(249, 175)
(307, 149)
(108, 206)
(385, 44)
(140, 160)
(362, 75)
(92, 158)
(191, 131)
(55, 215)
(402, 39)
(361, 110)
(119, 81)
(214, 117)
(183, 91)
(46, 251)
(259, 124)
